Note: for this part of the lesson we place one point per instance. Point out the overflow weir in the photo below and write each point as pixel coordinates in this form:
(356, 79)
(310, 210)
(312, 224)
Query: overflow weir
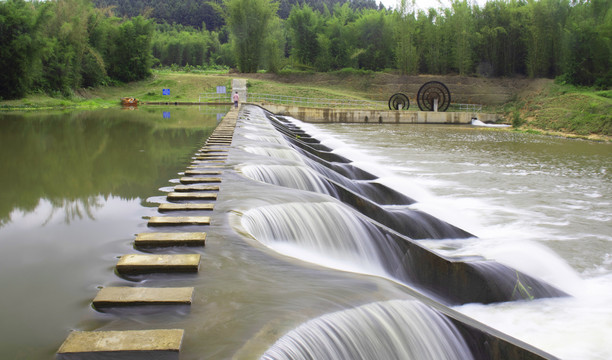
(323, 205)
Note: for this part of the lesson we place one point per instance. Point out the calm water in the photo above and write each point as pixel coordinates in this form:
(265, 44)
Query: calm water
(76, 187)
(73, 192)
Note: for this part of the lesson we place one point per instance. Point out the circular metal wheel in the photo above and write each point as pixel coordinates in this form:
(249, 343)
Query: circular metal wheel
(397, 100)
(429, 92)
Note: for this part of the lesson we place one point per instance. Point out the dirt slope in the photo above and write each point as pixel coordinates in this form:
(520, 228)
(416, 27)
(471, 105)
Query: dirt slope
(464, 89)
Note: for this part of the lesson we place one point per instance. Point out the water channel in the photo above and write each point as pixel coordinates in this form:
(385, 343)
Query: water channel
(76, 187)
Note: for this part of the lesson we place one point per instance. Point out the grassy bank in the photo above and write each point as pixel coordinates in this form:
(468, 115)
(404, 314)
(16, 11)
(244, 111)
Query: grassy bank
(530, 105)
(564, 110)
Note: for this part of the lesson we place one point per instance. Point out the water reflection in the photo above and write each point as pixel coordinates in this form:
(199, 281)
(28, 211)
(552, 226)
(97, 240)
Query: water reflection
(72, 190)
(71, 158)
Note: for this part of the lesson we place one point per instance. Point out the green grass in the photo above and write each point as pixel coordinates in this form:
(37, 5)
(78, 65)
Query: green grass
(556, 108)
(565, 109)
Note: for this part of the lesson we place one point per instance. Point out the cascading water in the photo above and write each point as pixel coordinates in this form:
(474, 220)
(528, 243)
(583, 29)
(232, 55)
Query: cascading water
(277, 153)
(331, 233)
(295, 177)
(396, 329)
(324, 233)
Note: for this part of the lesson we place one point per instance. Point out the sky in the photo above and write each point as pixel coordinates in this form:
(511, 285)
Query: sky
(426, 4)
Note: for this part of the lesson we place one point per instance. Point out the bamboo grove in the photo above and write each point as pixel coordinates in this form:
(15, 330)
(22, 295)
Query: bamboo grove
(57, 46)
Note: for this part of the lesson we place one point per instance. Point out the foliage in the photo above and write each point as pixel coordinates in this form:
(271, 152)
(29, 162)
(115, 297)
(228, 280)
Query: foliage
(59, 46)
(63, 45)
(568, 109)
(249, 21)
(184, 45)
(19, 36)
(193, 13)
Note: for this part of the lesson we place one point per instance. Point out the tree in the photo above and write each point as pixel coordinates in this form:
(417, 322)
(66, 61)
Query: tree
(588, 44)
(373, 37)
(248, 21)
(406, 56)
(131, 58)
(18, 47)
(303, 25)
(462, 36)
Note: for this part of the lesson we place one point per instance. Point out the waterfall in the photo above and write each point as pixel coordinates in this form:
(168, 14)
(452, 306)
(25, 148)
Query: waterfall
(295, 177)
(277, 153)
(396, 329)
(324, 233)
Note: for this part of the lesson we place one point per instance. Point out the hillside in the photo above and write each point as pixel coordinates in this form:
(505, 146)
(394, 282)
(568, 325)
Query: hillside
(526, 103)
(380, 86)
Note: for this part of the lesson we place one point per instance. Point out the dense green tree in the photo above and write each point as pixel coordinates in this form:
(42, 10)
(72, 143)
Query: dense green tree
(462, 37)
(66, 44)
(501, 44)
(19, 47)
(274, 46)
(193, 13)
(182, 45)
(304, 25)
(131, 57)
(406, 55)
(588, 44)
(249, 22)
(433, 46)
(373, 40)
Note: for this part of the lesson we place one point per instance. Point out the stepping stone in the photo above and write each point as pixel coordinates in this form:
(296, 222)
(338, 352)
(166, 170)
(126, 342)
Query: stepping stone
(213, 151)
(124, 296)
(154, 342)
(185, 207)
(206, 166)
(202, 172)
(210, 158)
(176, 196)
(208, 162)
(155, 239)
(196, 187)
(192, 180)
(179, 220)
(139, 264)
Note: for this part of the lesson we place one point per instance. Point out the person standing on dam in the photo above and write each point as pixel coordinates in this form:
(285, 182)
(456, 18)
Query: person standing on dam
(236, 97)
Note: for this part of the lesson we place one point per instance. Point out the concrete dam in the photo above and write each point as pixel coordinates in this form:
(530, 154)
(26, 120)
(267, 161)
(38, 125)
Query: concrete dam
(263, 182)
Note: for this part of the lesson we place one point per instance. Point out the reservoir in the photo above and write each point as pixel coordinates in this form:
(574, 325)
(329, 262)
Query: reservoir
(77, 186)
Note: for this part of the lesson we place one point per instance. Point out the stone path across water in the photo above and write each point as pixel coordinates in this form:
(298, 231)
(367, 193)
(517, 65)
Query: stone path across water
(207, 167)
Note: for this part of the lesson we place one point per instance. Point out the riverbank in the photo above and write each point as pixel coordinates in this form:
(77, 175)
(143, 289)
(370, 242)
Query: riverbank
(538, 105)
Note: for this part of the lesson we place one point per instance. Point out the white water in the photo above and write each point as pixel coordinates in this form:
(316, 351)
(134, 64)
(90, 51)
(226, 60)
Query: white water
(534, 204)
(384, 330)
(327, 234)
(295, 177)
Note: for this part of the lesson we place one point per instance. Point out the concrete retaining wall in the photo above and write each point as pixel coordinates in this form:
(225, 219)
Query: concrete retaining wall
(322, 115)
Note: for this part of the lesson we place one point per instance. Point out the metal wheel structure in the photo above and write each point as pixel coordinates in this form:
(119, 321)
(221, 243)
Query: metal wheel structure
(429, 93)
(399, 100)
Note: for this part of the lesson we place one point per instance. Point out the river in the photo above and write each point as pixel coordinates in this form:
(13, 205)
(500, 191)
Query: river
(77, 186)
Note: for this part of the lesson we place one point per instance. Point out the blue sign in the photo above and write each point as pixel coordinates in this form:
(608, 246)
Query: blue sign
(221, 89)
(165, 91)
(166, 114)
